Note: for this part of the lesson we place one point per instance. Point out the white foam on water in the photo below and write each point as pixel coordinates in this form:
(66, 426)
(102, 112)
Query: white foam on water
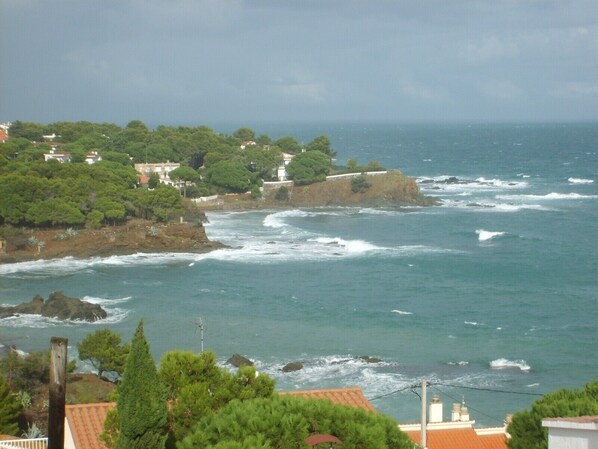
(401, 312)
(276, 220)
(548, 196)
(105, 301)
(503, 363)
(491, 207)
(484, 236)
(472, 323)
(459, 363)
(580, 181)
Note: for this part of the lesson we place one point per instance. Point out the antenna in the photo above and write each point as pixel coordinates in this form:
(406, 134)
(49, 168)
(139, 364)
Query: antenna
(200, 323)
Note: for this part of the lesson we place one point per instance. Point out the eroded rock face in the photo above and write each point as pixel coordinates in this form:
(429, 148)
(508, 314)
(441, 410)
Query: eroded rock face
(58, 306)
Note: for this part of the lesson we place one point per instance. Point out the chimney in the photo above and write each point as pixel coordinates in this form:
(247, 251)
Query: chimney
(508, 419)
(436, 410)
(464, 412)
(456, 413)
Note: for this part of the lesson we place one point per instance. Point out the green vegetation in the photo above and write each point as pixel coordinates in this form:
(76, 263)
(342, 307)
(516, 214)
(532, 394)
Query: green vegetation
(309, 167)
(286, 422)
(105, 351)
(360, 184)
(39, 193)
(10, 408)
(198, 387)
(526, 428)
(141, 404)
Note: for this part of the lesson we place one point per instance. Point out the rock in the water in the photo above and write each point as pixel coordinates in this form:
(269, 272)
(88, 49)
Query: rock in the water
(369, 359)
(57, 306)
(292, 366)
(238, 361)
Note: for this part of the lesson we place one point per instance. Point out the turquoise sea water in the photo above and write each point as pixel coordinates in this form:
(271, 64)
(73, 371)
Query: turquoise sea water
(491, 296)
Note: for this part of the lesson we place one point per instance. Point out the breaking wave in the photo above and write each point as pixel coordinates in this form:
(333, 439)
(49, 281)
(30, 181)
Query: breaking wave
(484, 236)
(580, 181)
(510, 364)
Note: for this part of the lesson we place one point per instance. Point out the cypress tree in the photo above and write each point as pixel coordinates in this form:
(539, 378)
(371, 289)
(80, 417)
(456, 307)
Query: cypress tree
(9, 409)
(141, 400)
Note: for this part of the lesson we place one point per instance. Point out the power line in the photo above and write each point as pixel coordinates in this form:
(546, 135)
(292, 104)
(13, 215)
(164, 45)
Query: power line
(469, 406)
(393, 392)
(525, 393)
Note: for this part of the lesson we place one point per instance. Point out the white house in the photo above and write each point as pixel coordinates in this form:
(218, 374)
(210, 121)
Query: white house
(282, 167)
(161, 169)
(92, 157)
(60, 156)
(572, 433)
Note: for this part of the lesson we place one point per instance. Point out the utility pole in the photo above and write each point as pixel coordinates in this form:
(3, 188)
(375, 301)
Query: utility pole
(57, 393)
(424, 418)
(201, 325)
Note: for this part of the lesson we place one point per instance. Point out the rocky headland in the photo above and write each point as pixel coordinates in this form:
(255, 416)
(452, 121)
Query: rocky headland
(391, 189)
(136, 236)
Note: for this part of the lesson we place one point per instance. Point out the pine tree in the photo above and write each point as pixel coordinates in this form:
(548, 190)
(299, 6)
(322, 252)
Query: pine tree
(141, 400)
(9, 409)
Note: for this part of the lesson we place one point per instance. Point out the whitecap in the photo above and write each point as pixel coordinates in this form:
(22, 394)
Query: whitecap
(472, 323)
(484, 236)
(549, 196)
(460, 363)
(580, 181)
(503, 363)
(105, 301)
(401, 312)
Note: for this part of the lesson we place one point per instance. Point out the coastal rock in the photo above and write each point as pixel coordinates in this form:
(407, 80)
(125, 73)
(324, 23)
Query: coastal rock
(369, 359)
(58, 306)
(292, 366)
(237, 360)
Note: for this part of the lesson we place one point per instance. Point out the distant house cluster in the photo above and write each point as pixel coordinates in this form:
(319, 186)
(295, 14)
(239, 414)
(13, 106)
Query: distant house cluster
(91, 157)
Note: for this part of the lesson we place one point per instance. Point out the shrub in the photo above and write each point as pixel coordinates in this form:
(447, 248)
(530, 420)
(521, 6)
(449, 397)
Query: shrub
(282, 194)
(360, 184)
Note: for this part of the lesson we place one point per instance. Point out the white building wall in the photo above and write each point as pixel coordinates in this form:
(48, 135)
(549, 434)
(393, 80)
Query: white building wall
(572, 439)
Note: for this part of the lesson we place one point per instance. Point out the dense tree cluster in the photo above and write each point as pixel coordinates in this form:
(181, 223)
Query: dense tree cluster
(34, 192)
(286, 422)
(526, 428)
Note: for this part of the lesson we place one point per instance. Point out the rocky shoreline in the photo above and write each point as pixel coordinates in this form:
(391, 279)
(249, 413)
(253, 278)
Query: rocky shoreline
(136, 236)
(393, 189)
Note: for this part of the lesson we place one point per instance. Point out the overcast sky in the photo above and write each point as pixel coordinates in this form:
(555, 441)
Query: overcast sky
(204, 61)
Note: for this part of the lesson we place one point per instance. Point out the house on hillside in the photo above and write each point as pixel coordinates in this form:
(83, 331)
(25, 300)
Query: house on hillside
(60, 156)
(247, 143)
(3, 135)
(458, 433)
(91, 157)
(161, 169)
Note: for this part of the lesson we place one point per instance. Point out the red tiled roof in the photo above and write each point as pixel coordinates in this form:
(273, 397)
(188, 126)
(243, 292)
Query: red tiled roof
(459, 439)
(346, 396)
(86, 422)
(3, 135)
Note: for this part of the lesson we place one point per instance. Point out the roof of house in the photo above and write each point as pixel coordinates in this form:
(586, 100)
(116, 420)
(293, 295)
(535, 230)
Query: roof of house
(345, 396)
(86, 422)
(460, 438)
(3, 135)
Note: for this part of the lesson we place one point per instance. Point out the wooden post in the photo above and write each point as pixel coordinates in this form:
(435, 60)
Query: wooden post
(424, 426)
(57, 393)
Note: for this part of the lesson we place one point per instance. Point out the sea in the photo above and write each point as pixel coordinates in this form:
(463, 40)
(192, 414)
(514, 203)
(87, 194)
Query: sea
(491, 297)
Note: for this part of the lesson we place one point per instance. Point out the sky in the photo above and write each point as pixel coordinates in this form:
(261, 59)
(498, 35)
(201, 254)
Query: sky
(192, 62)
